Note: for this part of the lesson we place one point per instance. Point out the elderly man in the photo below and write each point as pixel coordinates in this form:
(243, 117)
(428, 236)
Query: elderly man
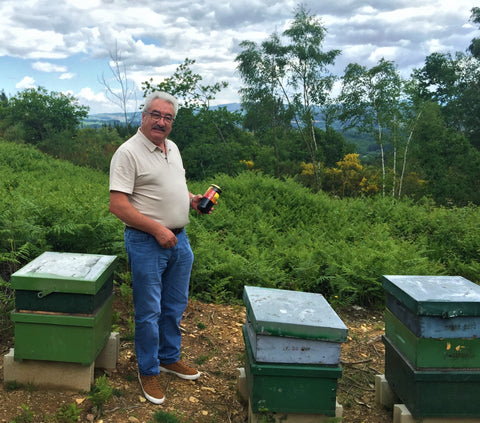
(148, 192)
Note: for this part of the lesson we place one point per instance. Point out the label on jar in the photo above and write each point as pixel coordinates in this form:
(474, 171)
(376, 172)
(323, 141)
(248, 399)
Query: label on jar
(212, 195)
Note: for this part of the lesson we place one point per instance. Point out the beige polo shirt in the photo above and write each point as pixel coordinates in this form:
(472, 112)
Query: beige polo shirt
(155, 182)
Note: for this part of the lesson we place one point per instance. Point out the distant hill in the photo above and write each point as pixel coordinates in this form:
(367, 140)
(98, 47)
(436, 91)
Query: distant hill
(106, 119)
(100, 119)
(364, 145)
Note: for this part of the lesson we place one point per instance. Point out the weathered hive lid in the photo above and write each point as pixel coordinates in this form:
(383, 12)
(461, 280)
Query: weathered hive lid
(445, 296)
(292, 313)
(65, 272)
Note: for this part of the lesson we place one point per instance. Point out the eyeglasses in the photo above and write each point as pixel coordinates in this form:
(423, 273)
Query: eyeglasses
(157, 116)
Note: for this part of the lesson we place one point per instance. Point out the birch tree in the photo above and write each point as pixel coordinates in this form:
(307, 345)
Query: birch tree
(262, 68)
(121, 91)
(298, 68)
(370, 101)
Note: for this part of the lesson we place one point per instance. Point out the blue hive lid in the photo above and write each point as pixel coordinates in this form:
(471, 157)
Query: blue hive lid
(445, 296)
(297, 314)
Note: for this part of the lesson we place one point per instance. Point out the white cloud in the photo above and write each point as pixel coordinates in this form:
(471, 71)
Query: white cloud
(154, 39)
(48, 67)
(67, 75)
(88, 95)
(27, 82)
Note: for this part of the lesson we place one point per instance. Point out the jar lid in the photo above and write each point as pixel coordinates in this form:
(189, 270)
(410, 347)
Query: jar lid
(217, 187)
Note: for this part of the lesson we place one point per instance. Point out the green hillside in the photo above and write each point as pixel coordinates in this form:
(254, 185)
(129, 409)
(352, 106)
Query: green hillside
(263, 232)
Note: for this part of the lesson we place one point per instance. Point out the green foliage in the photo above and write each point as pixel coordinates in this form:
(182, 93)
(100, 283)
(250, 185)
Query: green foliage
(451, 80)
(186, 85)
(447, 161)
(7, 303)
(372, 102)
(474, 46)
(100, 393)
(13, 385)
(263, 232)
(26, 415)
(165, 417)
(67, 413)
(293, 73)
(41, 113)
(47, 204)
(211, 141)
(84, 147)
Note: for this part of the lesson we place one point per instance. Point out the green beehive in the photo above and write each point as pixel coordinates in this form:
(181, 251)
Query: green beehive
(296, 314)
(448, 297)
(447, 393)
(423, 352)
(290, 388)
(62, 337)
(64, 282)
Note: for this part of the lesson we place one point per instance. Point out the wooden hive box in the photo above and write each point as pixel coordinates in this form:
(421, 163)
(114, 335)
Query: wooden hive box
(63, 307)
(292, 327)
(442, 393)
(64, 282)
(62, 337)
(432, 352)
(434, 320)
(290, 388)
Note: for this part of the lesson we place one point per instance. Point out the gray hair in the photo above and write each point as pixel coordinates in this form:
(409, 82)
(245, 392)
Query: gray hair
(162, 96)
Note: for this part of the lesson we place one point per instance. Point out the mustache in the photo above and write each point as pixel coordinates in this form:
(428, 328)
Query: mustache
(159, 127)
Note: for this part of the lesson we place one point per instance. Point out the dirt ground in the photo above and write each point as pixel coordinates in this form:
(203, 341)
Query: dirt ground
(213, 342)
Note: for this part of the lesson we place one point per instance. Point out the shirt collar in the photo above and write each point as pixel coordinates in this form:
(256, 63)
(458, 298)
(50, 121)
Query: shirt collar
(149, 144)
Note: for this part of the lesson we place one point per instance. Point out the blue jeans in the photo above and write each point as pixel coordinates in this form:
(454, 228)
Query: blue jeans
(160, 279)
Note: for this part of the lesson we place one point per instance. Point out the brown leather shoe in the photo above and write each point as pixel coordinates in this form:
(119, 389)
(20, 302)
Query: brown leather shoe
(151, 388)
(181, 370)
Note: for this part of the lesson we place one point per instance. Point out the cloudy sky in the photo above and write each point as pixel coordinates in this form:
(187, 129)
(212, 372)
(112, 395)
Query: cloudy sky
(65, 45)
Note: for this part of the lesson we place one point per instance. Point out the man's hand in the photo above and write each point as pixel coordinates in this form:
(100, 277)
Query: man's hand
(195, 200)
(165, 237)
(121, 207)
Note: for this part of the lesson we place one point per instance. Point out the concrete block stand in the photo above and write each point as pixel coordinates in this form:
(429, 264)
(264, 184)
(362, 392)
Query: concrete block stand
(242, 387)
(386, 397)
(108, 357)
(383, 393)
(294, 417)
(48, 374)
(60, 375)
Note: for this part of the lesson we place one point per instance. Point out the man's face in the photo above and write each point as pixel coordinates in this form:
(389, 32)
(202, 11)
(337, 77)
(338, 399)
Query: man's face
(157, 122)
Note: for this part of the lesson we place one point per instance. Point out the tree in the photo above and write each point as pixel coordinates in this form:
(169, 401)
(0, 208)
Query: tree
(295, 71)
(3, 108)
(453, 82)
(127, 90)
(474, 47)
(332, 145)
(350, 178)
(187, 87)
(204, 153)
(3, 99)
(372, 102)
(211, 140)
(41, 114)
(261, 68)
(307, 66)
(445, 159)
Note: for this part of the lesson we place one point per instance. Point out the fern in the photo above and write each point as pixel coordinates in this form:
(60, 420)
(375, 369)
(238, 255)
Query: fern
(263, 232)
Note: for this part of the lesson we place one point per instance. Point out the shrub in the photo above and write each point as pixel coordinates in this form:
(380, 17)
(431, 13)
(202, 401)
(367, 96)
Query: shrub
(263, 232)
